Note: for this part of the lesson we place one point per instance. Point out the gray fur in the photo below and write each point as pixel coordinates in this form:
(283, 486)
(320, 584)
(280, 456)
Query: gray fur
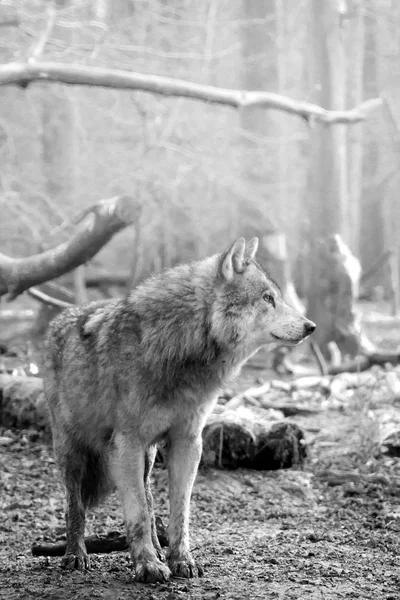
(122, 375)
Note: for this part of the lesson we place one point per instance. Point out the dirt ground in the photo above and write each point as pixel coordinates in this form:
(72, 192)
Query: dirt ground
(285, 534)
(293, 534)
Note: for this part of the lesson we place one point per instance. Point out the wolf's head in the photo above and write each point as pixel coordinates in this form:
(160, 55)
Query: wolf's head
(249, 308)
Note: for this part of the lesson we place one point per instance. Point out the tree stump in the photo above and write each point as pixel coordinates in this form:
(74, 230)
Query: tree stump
(331, 301)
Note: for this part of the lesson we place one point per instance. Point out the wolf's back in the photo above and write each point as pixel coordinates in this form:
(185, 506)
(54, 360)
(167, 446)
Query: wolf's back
(57, 333)
(62, 329)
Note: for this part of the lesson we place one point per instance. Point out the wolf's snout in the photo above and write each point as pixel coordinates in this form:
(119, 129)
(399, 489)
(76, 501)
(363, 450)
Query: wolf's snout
(309, 327)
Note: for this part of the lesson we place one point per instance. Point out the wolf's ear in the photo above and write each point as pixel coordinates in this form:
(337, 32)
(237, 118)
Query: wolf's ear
(233, 260)
(251, 248)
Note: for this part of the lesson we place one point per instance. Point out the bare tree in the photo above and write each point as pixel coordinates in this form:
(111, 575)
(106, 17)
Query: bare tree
(330, 290)
(355, 45)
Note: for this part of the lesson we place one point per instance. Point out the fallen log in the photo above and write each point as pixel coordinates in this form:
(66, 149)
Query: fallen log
(363, 363)
(251, 438)
(22, 402)
(247, 437)
(97, 544)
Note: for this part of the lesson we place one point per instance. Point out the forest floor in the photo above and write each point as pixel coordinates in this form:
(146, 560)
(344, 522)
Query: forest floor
(328, 531)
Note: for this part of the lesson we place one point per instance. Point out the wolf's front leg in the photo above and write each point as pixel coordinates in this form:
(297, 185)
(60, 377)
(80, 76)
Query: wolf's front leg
(128, 472)
(183, 461)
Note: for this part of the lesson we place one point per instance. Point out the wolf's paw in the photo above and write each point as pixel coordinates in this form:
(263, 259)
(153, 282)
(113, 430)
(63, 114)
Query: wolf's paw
(152, 572)
(78, 562)
(185, 567)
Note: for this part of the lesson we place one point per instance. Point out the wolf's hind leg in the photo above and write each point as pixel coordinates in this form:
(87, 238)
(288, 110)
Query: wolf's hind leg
(128, 465)
(72, 465)
(149, 459)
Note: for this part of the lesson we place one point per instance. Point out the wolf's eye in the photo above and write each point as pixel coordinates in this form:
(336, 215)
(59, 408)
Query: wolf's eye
(269, 299)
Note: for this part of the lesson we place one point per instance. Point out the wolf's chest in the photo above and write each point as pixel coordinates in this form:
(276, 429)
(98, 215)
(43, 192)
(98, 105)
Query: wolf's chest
(185, 413)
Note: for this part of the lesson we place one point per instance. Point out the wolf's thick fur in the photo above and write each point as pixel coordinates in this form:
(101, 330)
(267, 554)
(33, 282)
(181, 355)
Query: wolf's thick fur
(124, 374)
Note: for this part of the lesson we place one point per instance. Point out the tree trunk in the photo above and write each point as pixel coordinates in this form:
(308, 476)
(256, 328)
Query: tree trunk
(328, 197)
(259, 73)
(261, 66)
(355, 95)
(60, 160)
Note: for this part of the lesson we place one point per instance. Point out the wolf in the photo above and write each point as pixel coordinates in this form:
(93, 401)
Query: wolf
(122, 375)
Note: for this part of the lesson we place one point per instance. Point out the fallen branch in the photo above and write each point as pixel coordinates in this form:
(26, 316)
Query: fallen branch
(94, 545)
(255, 392)
(335, 478)
(262, 391)
(22, 74)
(363, 363)
(97, 544)
(290, 410)
(104, 220)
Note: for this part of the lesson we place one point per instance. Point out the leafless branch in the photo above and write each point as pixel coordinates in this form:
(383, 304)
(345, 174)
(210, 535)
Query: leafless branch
(45, 299)
(22, 74)
(319, 357)
(60, 289)
(39, 45)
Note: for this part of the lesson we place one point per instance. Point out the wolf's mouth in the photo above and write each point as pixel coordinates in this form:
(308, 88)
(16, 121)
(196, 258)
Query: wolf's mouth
(286, 340)
(280, 339)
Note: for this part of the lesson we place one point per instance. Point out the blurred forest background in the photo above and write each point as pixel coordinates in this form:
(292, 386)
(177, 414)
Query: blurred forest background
(206, 173)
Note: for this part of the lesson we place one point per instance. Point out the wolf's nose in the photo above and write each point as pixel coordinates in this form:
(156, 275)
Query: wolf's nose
(309, 327)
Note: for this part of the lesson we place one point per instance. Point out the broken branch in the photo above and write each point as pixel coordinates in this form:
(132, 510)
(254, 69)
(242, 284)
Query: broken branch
(105, 219)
